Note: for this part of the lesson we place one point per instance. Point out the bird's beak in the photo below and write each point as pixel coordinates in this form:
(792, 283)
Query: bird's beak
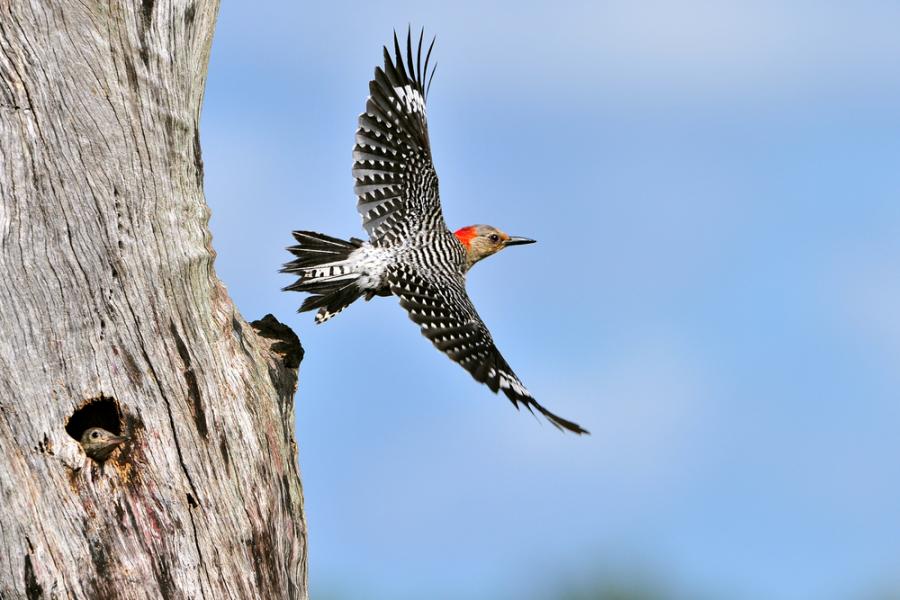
(519, 241)
(117, 439)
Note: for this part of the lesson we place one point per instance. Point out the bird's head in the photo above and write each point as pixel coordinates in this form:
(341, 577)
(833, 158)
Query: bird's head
(99, 443)
(481, 241)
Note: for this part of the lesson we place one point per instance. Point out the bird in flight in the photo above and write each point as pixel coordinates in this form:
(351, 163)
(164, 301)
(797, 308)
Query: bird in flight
(411, 253)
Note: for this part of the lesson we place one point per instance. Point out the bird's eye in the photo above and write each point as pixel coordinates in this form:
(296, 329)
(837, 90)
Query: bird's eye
(95, 434)
(494, 238)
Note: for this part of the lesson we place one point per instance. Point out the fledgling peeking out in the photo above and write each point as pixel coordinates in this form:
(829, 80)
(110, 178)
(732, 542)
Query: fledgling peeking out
(99, 443)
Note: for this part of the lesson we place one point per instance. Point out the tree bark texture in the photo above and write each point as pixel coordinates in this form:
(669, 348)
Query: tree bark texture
(111, 315)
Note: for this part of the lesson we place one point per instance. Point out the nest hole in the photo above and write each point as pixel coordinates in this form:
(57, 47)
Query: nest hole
(97, 412)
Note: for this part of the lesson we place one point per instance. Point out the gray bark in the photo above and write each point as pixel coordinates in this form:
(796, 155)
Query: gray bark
(111, 315)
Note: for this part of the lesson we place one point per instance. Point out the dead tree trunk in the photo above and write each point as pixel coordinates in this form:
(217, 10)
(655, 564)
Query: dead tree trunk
(111, 315)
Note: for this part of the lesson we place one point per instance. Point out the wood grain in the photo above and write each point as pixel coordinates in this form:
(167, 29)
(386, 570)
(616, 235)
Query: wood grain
(108, 292)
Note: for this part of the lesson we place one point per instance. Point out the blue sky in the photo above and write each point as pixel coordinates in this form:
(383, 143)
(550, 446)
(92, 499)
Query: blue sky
(715, 191)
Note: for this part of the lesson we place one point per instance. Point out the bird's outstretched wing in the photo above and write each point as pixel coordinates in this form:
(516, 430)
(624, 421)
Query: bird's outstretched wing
(443, 310)
(396, 186)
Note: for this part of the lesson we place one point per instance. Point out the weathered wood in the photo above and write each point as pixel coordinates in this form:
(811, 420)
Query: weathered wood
(109, 301)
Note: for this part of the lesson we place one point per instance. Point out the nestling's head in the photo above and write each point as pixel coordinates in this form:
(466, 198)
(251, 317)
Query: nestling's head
(99, 443)
(481, 241)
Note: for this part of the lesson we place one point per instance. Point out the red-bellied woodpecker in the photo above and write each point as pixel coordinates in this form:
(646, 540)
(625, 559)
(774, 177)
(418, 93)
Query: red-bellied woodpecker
(411, 253)
(99, 443)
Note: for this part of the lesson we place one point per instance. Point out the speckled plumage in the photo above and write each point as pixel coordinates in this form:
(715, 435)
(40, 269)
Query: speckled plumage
(411, 253)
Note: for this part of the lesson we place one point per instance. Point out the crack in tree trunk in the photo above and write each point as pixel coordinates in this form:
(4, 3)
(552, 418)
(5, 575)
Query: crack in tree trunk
(112, 316)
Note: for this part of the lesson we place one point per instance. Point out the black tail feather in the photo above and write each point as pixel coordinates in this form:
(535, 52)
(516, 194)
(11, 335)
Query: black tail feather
(332, 285)
(315, 249)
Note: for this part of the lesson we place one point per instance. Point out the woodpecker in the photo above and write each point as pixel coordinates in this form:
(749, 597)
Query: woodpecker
(99, 443)
(410, 253)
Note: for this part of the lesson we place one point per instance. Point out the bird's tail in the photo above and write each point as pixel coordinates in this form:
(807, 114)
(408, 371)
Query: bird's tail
(325, 270)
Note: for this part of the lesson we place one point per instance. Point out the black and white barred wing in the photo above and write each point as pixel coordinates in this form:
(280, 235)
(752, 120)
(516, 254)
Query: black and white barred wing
(444, 312)
(396, 185)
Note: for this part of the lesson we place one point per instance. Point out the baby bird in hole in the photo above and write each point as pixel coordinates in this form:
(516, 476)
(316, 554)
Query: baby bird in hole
(99, 443)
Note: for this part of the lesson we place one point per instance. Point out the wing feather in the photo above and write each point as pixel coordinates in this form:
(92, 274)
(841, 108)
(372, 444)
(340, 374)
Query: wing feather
(441, 307)
(396, 184)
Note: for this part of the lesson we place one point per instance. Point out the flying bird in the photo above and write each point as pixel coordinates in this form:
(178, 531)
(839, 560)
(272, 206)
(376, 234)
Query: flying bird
(410, 253)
